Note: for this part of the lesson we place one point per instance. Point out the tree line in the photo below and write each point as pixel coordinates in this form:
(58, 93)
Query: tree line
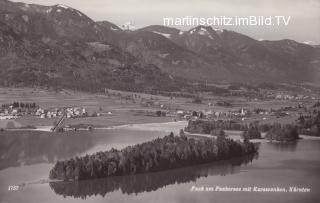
(209, 126)
(280, 132)
(310, 124)
(274, 131)
(20, 105)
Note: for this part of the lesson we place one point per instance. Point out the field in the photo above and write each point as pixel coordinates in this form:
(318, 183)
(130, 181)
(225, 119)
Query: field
(119, 108)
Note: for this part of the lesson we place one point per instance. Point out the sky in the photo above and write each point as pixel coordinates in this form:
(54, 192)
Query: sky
(304, 24)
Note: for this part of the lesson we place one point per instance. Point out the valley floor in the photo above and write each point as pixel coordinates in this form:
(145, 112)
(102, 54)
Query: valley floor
(116, 109)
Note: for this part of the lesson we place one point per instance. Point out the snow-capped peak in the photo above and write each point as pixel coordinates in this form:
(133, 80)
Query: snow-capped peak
(201, 31)
(128, 26)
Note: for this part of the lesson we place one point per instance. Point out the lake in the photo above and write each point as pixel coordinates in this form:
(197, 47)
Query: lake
(27, 157)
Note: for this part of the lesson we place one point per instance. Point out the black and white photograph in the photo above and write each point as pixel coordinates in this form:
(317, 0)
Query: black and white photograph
(160, 101)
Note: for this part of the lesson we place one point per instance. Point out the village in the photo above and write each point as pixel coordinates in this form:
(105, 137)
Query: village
(261, 94)
(219, 110)
(20, 109)
(113, 108)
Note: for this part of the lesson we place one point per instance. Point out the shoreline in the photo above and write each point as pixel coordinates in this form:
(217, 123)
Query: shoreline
(172, 126)
(131, 126)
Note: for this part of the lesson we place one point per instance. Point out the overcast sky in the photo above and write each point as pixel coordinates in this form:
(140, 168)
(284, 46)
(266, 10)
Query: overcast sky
(304, 24)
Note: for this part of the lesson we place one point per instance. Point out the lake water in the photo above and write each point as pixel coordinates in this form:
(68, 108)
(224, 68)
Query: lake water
(27, 157)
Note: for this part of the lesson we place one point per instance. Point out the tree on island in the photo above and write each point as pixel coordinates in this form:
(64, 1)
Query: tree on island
(280, 132)
(160, 154)
(253, 132)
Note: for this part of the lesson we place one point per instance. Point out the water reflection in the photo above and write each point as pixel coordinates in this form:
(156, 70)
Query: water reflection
(25, 148)
(149, 181)
(283, 146)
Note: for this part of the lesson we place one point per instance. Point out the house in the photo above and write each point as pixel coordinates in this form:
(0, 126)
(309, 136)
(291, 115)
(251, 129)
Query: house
(243, 112)
(69, 114)
(14, 111)
(39, 111)
(76, 112)
(180, 112)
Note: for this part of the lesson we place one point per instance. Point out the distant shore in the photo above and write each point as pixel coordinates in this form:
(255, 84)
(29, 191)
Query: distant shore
(160, 126)
(173, 126)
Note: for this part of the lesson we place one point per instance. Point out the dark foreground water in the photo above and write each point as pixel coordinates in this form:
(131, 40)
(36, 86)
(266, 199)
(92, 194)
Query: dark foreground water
(27, 157)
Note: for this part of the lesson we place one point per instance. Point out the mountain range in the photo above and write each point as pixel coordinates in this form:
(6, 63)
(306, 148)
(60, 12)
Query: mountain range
(59, 46)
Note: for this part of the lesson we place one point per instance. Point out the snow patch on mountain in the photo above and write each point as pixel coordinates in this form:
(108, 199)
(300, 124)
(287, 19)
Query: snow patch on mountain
(25, 18)
(59, 11)
(49, 10)
(114, 29)
(204, 32)
(7, 16)
(217, 29)
(310, 43)
(98, 46)
(201, 31)
(63, 6)
(192, 31)
(163, 55)
(25, 7)
(128, 26)
(163, 34)
(176, 62)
